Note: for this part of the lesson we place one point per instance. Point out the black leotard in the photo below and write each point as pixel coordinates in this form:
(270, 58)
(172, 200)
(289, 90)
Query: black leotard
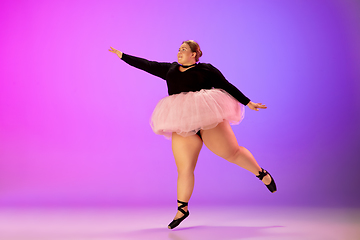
(201, 76)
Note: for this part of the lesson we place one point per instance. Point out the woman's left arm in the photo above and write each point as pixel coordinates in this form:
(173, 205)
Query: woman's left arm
(219, 81)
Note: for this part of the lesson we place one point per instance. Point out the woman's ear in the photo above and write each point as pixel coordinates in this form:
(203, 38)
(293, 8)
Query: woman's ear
(193, 54)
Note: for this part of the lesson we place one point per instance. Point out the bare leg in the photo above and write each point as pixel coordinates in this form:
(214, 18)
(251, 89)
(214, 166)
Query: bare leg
(186, 152)
(221, 140)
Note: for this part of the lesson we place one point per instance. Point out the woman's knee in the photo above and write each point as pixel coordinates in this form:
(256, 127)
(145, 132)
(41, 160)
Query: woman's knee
(185, 171)
(233, 156)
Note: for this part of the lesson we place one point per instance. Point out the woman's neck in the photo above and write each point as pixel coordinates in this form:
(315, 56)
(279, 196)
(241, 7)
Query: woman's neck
(187, 65)
(183, 69)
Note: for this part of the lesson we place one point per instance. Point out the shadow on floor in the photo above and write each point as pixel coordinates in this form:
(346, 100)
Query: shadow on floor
(204, 233)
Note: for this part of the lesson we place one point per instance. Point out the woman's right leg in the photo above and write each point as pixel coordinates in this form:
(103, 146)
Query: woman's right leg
(186, 152)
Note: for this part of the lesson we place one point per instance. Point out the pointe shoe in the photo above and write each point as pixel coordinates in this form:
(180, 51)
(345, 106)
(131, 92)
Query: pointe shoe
(176, 222)
(271, 186)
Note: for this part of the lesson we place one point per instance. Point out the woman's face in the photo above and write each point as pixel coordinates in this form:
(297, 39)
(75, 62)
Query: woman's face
(185, 56)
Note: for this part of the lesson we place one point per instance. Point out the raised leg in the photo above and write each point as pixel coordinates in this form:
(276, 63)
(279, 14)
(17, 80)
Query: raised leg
(221, 140)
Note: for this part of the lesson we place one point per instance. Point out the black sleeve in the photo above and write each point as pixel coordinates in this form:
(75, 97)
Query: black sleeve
(219, 81)
(158, 69)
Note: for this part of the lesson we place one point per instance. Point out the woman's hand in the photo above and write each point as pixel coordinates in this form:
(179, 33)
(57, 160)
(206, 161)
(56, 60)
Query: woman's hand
(256, 106)
(117, 52)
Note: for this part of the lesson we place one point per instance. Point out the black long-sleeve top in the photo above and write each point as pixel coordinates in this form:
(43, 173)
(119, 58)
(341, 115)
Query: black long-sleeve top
(201, 76)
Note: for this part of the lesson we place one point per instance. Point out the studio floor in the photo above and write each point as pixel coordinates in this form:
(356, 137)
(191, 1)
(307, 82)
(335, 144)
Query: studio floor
(203, 223)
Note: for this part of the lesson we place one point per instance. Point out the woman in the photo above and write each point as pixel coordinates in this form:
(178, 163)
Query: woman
(200, 107)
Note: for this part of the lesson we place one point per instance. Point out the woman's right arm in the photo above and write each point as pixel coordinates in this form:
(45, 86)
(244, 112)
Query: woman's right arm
(158, 69)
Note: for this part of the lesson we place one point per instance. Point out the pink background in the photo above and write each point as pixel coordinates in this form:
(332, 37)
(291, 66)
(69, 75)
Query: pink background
(74, 118)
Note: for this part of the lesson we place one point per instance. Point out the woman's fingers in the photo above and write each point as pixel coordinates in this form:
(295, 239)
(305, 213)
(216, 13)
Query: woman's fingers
(112, 50)
(259, 105)
(256, 106)
(117, 52)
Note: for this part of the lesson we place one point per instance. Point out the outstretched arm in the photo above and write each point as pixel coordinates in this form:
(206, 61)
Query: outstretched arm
(219, 81)
(158, 69)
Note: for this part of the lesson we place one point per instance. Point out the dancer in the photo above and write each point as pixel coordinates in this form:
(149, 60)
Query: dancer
(199, 109)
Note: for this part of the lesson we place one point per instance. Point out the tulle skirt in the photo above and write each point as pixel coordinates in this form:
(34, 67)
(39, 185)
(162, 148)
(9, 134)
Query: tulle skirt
(188, 112)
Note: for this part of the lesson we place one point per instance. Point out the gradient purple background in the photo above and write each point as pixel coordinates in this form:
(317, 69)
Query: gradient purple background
(74, 119)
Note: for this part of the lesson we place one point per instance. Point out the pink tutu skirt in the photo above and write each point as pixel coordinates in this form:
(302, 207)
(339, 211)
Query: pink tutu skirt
(188, 112)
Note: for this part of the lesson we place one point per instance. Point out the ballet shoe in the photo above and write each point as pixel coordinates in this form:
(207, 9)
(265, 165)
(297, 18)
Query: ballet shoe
(271, 186)
(176, 222)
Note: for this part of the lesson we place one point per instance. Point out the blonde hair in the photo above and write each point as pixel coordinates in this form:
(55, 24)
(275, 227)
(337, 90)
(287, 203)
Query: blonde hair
(194, 46)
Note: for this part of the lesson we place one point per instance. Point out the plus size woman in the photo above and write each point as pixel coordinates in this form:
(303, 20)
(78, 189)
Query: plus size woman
(199, 109)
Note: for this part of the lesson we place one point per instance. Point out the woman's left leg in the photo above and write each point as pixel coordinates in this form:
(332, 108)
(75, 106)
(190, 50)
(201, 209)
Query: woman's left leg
(221, 140)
